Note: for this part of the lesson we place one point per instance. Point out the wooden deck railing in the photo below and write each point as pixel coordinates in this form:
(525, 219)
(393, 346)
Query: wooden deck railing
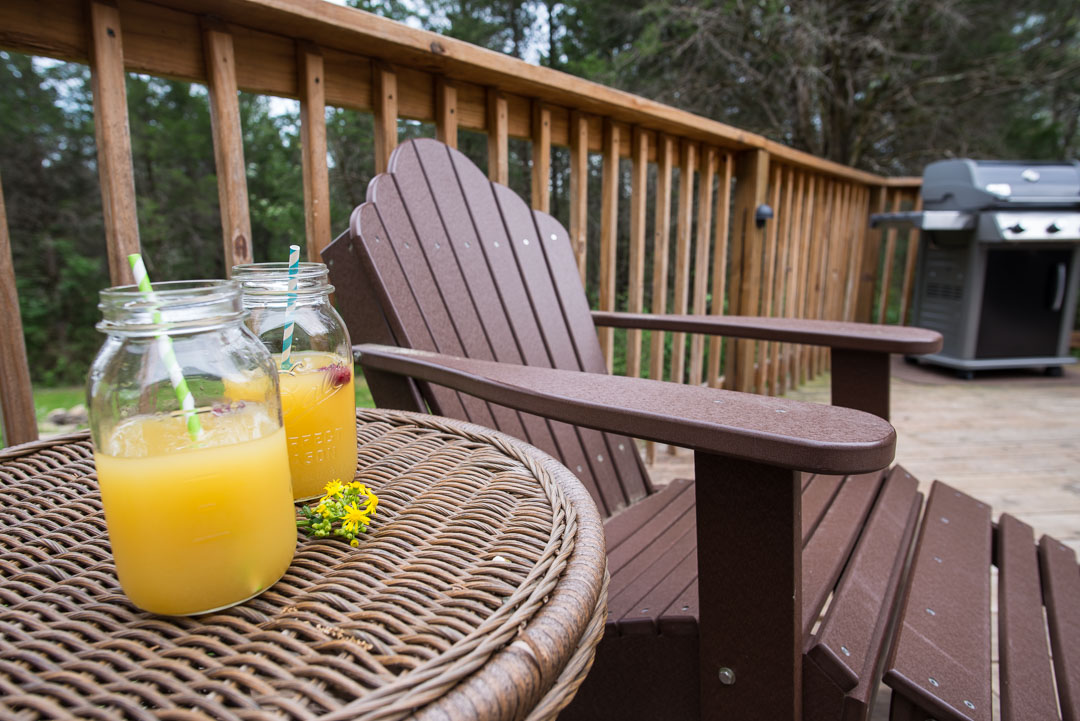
(816, 258)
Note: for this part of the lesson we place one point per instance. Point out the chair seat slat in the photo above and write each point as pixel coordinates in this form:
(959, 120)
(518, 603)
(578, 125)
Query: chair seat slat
(1061, 591)
(1027, 686)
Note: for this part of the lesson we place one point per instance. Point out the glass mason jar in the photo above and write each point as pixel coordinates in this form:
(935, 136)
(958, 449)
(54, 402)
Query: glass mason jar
(196, 493)
(318, 399)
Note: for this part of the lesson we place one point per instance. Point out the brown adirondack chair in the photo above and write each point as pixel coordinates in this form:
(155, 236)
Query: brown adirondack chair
(765, 588)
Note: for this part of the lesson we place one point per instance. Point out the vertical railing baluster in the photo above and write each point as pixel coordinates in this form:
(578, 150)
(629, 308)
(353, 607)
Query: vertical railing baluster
(609, 235)
(772, 232)
(541, 157)
(639, 152)
(498, 137)
(683, 228)
(661, 237)
(864, 307)
(789, 374)
(909, 266)
(115, 169)
(806, 283)
(16, 393)
(316, 177)
(890, 251)
(701, 258)
(780, 281)
(384, 96)
(579, 189)
(719, 267)
(446, 112)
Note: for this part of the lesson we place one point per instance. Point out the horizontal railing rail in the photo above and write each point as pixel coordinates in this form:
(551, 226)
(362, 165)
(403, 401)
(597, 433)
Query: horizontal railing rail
(815, 258)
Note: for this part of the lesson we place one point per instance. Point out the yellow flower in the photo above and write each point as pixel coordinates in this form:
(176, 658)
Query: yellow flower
(360, 487)
(321, 510)
(354, 542)
(333, 487)
(354, 518)
(372, 504)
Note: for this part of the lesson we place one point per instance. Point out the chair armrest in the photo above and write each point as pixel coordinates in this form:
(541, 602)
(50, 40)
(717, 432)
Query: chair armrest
(835, 334)
(773, 431)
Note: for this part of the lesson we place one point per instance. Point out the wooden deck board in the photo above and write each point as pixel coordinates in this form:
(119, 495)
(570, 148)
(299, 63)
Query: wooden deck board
(1011, 439)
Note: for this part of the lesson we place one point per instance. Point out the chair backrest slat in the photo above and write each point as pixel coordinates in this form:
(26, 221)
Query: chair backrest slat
(463, 266)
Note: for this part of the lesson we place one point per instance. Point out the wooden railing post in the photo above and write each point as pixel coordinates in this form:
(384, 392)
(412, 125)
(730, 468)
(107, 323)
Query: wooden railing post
(498, 135)
(701, 258)
(313, 148)
(683, 228)
(228, 143)
(113, 135)
(639, 153)
(752, 173)
(864, 304)
(609, 234)
(541, 157)
(384, 94)
(446, 114)
(16, 396)
(579, 188)
(719, 269)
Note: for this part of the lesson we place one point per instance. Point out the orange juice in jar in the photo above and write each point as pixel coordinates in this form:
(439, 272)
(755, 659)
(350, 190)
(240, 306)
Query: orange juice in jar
(318, 399)
(197, 497)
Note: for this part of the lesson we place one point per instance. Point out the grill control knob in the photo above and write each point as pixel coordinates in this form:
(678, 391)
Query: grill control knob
(1016, 228)
(1053, 228)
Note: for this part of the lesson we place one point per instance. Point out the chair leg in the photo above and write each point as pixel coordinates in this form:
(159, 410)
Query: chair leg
(860, 380)
(749, 581)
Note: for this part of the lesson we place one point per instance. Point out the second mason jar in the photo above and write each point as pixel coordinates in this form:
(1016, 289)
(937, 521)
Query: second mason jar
(318, 400)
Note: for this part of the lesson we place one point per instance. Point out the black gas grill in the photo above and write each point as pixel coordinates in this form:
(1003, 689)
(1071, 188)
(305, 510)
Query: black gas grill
(999, 262)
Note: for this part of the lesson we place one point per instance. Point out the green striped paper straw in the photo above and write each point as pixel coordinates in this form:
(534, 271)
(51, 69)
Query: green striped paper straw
(286, 340)
(165, 347)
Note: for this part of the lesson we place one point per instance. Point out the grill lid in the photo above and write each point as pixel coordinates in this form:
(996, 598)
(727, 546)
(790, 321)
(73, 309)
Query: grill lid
(972, 185)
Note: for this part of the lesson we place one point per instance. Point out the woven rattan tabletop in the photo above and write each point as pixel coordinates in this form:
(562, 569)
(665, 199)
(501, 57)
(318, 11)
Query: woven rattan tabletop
(479, 592)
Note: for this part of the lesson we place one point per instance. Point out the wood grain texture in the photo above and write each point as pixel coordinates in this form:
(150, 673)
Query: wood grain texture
(384, 94)
(228, 144)
(579, 189)
(16, 396)
(115, 171)
(609, 230)
(772, 233)
(446, 114)
(719, 267)
(751, 171)
(541, 157)
(701, 258)
(684, 226)
(909, 267)
(639, 192)
(498, 134)
(313, 151)
(169, 52)
(665, 152)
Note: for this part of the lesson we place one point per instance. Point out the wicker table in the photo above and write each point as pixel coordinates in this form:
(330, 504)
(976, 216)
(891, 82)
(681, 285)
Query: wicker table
(480, 592)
